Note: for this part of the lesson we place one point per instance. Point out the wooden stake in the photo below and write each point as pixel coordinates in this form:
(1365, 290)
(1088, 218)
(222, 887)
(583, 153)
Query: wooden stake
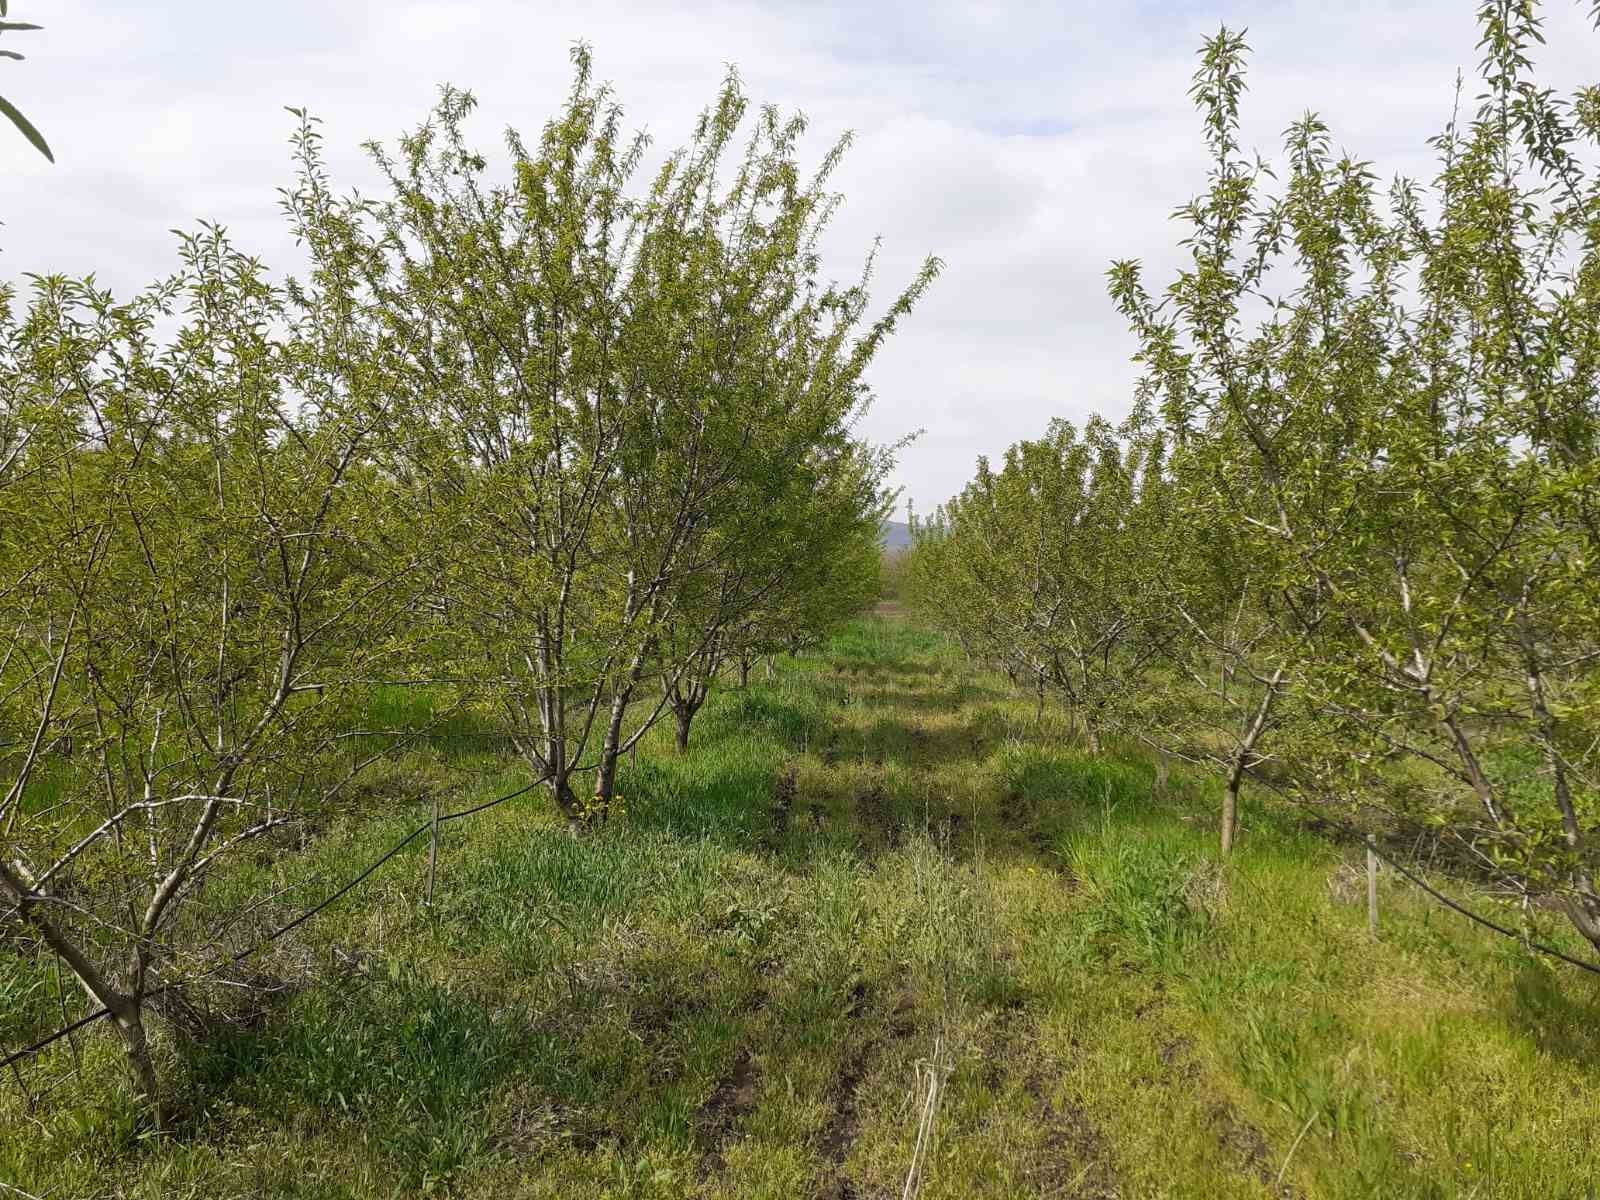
(433, 851)
(1372, 887)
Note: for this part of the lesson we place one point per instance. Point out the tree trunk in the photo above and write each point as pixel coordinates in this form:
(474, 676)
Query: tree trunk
(744, 672)
(126, 1011)
(1243, 757)
(566, 799)
(1583, 910)
(605, 780)
(605, 783)
(605, 789)
(684, 715)
(554, 763)
(1230, 806)
(130, 1025)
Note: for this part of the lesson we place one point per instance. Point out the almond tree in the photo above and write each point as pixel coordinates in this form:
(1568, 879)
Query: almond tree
(746, 371)
(193, 593)
(1216, 697)
(1039, 568)
(791, 568)
(599, 383)
(1406, 385)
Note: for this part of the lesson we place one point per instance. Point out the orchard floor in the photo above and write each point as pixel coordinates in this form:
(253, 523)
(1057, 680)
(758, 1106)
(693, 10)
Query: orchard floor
(873, 870)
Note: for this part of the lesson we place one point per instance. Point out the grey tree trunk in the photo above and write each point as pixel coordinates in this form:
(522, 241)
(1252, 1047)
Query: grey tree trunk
(1230, 806)
(1583, 907)
(566, 798)
(1583, 910)
(605, 782)
(130, 1025)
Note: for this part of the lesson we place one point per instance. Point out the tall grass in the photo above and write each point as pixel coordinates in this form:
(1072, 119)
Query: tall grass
(712, 997)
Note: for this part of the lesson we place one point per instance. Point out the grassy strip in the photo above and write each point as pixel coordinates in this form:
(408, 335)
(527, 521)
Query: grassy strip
(728, 992)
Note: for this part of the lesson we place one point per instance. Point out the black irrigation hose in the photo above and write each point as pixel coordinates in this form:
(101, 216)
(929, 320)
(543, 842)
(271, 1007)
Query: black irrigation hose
(350, 885)
(55, 1037)
(343, 890)
(1484, 921)
(1371, 844)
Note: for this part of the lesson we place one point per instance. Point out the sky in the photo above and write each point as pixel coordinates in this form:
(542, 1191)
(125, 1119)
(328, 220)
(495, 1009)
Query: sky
(1026, 144)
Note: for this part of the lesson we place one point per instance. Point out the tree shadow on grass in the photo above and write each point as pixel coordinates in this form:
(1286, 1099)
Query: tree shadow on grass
(1560, 1015)
(407, 1058)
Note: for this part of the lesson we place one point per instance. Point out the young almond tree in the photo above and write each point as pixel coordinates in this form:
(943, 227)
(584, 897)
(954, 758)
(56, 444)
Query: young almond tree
(193, 586)
(1217, 696)
(1405, 389)
(745, 378)
(791, 568)
(1040, 568)
(599, 384)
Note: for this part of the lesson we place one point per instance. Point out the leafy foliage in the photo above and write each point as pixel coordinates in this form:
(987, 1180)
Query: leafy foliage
(9, 110)
(540, 444)
(1383, 480)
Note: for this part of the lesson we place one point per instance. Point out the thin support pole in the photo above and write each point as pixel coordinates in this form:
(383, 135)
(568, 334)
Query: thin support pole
(1372, 887)
(433, 850)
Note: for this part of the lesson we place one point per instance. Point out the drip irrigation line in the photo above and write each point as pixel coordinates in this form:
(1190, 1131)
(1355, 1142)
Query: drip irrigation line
(1482, 920)
(55, 1037)
(1454, 905)
(344, 890)
(366, 873)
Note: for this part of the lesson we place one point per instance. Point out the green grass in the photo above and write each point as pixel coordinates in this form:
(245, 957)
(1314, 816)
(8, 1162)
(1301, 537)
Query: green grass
(720, 996)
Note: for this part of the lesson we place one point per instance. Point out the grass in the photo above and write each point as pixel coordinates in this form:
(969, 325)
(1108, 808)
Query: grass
(727, 992)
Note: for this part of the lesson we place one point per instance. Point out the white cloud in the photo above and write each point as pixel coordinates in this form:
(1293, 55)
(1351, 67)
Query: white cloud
(1028, 143)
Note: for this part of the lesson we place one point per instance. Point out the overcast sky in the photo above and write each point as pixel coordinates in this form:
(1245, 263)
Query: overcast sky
(1027, 144)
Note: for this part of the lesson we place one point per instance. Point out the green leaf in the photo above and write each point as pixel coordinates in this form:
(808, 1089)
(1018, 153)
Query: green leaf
(5, 25)
(26, 126)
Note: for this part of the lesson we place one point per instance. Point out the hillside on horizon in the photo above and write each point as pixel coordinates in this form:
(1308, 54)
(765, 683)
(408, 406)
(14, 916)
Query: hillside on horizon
(896, 535)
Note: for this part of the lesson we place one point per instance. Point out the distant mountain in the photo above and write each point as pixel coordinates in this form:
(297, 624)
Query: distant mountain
(896, 535)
